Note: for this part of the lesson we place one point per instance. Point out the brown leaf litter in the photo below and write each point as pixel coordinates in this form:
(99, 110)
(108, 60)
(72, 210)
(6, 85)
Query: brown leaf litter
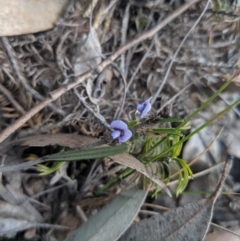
(34, 65)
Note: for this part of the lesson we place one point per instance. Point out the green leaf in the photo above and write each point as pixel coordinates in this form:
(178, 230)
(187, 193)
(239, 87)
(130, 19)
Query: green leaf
(183, 175)
(88, 153)
(169, 131)
(207, 123)
(164, 120)
(178, 148)
(132, 123)
(44, 170)
(142, 22)
(206, 103)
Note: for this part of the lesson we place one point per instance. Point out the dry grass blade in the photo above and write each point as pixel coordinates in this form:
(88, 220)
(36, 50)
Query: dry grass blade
(227, 168)
(132, 162)
(189, 222)
(226, 229)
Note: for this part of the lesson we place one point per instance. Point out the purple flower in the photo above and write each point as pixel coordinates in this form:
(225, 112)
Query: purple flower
(120, 131)
(145, 107)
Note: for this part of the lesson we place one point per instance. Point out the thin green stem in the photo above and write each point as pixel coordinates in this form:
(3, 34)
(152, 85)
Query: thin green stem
(197, 130)
(205, 103)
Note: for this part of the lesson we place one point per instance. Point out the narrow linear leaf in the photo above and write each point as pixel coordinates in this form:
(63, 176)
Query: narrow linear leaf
(178, 148)
(173, 119)
(88, 153)
(110, 222)
(186, 223)
(69, 156)
(183, 175)
(207, 102)
(44, 170)
(166, 131)
(207, 123)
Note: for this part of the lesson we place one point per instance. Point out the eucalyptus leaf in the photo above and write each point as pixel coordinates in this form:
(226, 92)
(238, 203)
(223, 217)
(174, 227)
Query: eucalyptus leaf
(110, 222)
(186, 223)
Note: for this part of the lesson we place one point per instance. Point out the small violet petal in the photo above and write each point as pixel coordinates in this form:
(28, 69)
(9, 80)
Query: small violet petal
(127, 134)
(146, 110)
(147, 101)
(145, 107)
(118, 125)
(140, 107)
(116, 134)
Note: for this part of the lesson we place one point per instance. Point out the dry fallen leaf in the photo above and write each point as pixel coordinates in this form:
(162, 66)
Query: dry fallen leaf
(87, 57)
(111, 221)
(24, 17)
(130, 161)
(88, 54)
(222, 235)
(8, 210)
(14, 225)
(18, 201)
(186, 223)
(69, 140)
(101, 84)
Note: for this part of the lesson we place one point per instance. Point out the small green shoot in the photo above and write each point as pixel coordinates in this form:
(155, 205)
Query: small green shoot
(44, 170)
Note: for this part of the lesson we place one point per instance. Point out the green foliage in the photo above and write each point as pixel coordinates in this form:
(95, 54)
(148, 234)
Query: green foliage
(79, 155)
(132, 124)
(87, 154)
(155, 144)
(162, 146)
(45, 170)
(141, 22)
(219, 5)
(184, 174)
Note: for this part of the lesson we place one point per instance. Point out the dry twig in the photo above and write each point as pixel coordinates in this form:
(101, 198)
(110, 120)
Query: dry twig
(92, 73)
(176, 53)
